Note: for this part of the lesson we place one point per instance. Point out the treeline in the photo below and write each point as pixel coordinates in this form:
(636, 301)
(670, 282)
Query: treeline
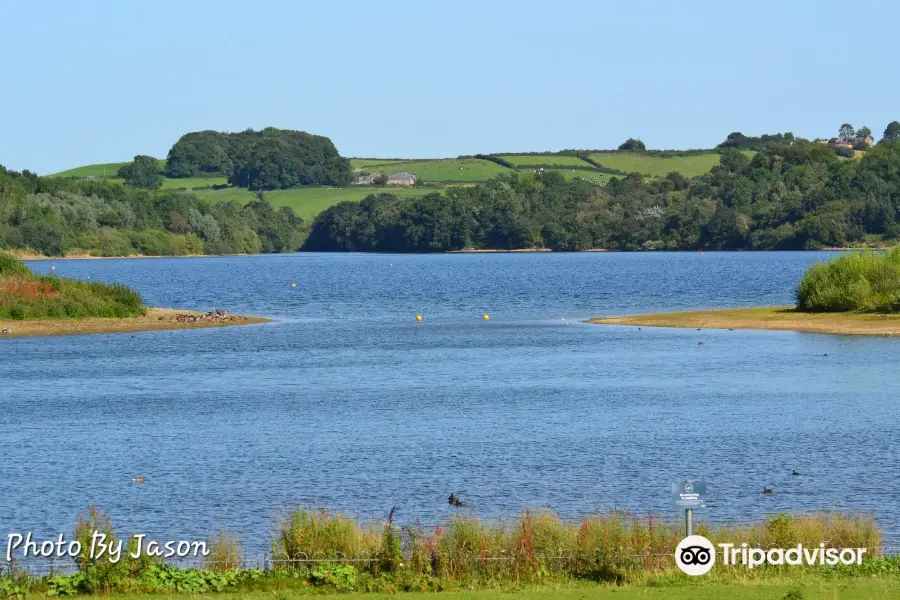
(739, 141)
(55, 216)
(260, 160)
(798, 195)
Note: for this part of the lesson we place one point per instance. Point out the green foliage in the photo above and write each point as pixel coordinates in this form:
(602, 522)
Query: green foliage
(54, 216)
(739, 141)
(789, 196)
(25, 295)
(390, 555)
(495, 159)
(260, 160)
(892, 132)
(632, 145)
(14, 588)
(142, 173)
(859, 282)
(333, 553)
(341, 577)
(847, 132)
(10, 266)
(67, 585)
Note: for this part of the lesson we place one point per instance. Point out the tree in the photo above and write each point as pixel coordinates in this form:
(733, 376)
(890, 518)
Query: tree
(142, 173)
(863, 132)
(892, 132)
(633, 144)
(847, 132)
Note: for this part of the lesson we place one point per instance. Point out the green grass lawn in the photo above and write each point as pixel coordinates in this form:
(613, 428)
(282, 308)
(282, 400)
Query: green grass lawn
(545, 160)
(853, 589)
(308, 202)
(655, 166)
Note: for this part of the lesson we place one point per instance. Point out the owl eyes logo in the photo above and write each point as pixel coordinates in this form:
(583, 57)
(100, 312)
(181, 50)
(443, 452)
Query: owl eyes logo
(695, 555)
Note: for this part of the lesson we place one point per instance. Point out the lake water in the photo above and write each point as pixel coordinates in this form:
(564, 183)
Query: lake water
(347, 403)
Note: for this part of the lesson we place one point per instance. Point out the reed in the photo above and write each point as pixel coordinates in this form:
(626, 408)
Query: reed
(224, 553)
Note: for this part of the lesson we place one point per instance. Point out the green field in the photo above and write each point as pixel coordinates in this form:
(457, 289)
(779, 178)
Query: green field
(444, 170)
(99, 170)
(193, 182)
(656, 166)
(544, 160)
(308, 202)
(362, 163)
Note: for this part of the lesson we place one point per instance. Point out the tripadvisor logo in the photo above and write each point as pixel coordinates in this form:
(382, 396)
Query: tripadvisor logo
(696, 555)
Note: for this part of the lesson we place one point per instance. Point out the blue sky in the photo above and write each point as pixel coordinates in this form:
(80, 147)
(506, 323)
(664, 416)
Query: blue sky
(101, 81)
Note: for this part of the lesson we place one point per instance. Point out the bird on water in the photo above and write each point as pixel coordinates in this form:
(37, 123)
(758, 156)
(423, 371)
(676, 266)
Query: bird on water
(767, 490)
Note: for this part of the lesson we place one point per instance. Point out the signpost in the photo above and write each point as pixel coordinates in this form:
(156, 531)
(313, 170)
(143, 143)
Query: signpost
(689, 495)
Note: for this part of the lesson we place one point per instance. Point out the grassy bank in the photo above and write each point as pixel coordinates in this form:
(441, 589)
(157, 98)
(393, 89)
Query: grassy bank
(767, 317)
(36, 305)
(27, 296)
(536, 554)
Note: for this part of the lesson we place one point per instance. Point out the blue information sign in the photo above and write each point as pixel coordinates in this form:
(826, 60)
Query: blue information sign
(689, 494)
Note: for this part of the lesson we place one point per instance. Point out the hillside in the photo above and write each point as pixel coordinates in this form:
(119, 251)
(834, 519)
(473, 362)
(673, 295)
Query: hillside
(431, 173)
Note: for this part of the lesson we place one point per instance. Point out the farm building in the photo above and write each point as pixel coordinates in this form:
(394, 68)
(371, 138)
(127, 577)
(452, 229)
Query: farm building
(402, 178)
(367, 179)
(838, 142)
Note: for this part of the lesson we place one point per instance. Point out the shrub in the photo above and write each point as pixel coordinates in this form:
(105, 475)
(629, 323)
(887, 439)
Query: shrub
(10, 266)
(860, 282)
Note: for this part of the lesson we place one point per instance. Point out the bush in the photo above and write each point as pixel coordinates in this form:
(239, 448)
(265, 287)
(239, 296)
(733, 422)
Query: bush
(858, 282)
(844, 152)
(11, 266)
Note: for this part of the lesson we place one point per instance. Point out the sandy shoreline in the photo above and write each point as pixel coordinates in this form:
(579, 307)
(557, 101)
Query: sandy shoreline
(156, 319)
(767, 317)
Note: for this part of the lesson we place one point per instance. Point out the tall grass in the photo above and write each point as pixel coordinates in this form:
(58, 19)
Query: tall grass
(224, 553)
(27, 295)
(859, 282)
(614, 547)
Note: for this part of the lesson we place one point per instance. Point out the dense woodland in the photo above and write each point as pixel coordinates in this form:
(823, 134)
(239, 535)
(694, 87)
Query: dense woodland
(793, 194)
(260, 160)
(56, 216)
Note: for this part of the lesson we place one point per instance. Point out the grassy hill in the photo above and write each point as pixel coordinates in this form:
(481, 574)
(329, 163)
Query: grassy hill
(689, 165)
(310, 201)
(307, 202)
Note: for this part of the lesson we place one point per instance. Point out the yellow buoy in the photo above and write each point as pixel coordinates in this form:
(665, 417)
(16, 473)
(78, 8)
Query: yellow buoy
(293, 285)
(419, 318)
(486, 317)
